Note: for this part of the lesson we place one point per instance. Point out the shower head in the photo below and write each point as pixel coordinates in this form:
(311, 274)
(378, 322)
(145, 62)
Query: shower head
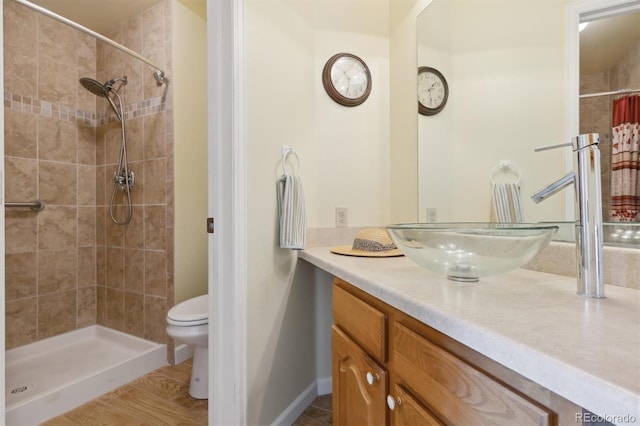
(94, 87)
(103, 90)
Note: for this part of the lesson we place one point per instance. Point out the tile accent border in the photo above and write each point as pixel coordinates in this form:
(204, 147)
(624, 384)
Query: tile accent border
(42, 108)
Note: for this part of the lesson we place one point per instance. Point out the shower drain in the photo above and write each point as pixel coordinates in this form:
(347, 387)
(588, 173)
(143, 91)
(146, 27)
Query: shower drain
(20, 389)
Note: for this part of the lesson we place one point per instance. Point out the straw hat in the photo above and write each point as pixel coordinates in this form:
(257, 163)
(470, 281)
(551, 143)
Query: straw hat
(370, 242)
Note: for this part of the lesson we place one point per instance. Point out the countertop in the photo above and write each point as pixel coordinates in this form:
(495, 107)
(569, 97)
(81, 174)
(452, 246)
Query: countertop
(586, 350)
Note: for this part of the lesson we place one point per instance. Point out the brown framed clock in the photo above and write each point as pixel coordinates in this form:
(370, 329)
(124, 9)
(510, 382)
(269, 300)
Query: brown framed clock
(346, 79)
(433, 91)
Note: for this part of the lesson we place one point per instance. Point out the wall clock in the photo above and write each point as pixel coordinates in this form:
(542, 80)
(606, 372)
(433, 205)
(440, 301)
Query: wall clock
(347, 79)
(433, 91)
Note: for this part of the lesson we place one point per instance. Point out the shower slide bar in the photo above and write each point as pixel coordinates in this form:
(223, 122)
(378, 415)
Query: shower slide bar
(35, 205)
(159, 74)
(614, 92)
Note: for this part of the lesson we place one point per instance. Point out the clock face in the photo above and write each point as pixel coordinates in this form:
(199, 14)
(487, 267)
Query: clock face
(433, 91)
(347, 79)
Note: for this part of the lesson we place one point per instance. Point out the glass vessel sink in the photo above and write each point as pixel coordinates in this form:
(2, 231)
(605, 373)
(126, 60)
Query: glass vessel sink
(467, 251)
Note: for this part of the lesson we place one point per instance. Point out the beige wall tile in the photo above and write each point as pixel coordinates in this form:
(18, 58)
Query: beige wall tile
(115, 267)
(155, 273)
(134, 262)
(20, 26)
(137, 192)
(113, 140)
(134, 314)
(79, 245)
(101, 266)
(101, 217)
(58, 183)
(135, 138)
(20, 179)
(57, 140)
(100, 145)
(155, 174)
(20, 275)
(57, 41)
(57, 227)
(115, 309)
(134, 70)
(134, 232)
(155, 227)
(87, 144)
(21, 318)
(154, 136)
(20, 134)
(155, 318)
(57, 85)
(86, 226)
(56, 313)
(87, 185)
(115, 233)
(86, 306)
(101, 305)
(20, 231)
(20, 73)
(57, 271)
(87, 267)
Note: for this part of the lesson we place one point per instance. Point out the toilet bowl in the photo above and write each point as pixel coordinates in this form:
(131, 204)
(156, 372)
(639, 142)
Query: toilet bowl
(188, 323)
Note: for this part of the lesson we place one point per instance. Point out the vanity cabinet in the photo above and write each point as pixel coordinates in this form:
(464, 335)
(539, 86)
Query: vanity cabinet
(389, 368)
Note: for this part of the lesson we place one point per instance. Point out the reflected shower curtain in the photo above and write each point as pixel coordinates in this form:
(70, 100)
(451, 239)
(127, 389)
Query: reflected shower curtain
(625, 164)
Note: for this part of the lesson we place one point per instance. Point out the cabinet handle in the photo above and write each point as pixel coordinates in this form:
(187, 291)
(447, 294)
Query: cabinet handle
(371, 378)
(391, 402)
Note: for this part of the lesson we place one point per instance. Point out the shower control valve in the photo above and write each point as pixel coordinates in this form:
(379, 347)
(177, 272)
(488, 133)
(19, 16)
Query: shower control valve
(123, 180)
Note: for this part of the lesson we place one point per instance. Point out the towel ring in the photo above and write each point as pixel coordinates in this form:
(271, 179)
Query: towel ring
(508, 167)
(286, 150)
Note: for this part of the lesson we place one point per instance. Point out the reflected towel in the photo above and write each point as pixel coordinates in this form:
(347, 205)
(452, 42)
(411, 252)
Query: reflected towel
(506, 203)
(292, 212)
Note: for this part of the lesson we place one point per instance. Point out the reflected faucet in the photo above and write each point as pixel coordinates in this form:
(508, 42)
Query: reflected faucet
(588, 209)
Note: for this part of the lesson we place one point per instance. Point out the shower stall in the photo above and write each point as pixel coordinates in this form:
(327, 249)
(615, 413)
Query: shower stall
(89, 278)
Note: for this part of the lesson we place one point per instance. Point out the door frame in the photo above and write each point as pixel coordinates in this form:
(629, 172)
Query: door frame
(227, 205)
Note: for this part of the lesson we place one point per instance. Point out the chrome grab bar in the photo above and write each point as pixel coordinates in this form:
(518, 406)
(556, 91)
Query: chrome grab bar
(35, 205)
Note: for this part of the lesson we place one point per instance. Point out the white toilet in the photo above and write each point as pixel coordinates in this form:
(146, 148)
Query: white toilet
(188, 323)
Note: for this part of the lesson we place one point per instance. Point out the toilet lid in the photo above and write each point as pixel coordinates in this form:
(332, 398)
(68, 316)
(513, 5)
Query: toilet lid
(193, 311)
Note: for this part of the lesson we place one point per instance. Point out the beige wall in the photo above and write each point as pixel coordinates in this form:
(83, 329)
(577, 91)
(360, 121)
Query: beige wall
(344, 162)
(190, 111)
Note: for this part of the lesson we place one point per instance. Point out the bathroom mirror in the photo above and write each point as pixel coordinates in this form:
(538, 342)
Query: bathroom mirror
(506, 76)
(508, 93)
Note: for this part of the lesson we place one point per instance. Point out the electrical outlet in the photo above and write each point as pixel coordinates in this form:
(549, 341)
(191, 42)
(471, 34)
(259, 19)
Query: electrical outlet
(432, 215)
(341, 217)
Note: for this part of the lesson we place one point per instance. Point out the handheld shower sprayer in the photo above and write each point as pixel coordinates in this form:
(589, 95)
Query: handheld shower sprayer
(123, 178)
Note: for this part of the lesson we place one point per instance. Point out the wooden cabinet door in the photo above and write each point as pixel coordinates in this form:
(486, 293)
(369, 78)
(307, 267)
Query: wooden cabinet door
(409, 412)
(457, 392)
(356, 402)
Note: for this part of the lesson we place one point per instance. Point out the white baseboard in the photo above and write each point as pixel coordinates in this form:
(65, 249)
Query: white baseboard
(297, 407)
(325, 386)
(182, 353)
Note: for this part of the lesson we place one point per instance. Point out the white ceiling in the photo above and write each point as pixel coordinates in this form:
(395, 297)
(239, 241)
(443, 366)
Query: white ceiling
(605, 42)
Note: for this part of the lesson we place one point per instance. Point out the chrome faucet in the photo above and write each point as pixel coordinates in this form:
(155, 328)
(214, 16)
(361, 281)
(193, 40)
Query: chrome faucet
(588, 210)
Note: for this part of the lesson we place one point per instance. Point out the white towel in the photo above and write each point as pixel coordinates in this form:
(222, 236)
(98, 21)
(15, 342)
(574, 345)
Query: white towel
(506, 203)
(292, 212)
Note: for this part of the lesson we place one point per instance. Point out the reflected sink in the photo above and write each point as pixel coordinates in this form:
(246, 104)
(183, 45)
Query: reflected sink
(466, 251)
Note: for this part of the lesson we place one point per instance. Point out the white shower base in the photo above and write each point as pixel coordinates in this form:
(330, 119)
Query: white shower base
(50, 377)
